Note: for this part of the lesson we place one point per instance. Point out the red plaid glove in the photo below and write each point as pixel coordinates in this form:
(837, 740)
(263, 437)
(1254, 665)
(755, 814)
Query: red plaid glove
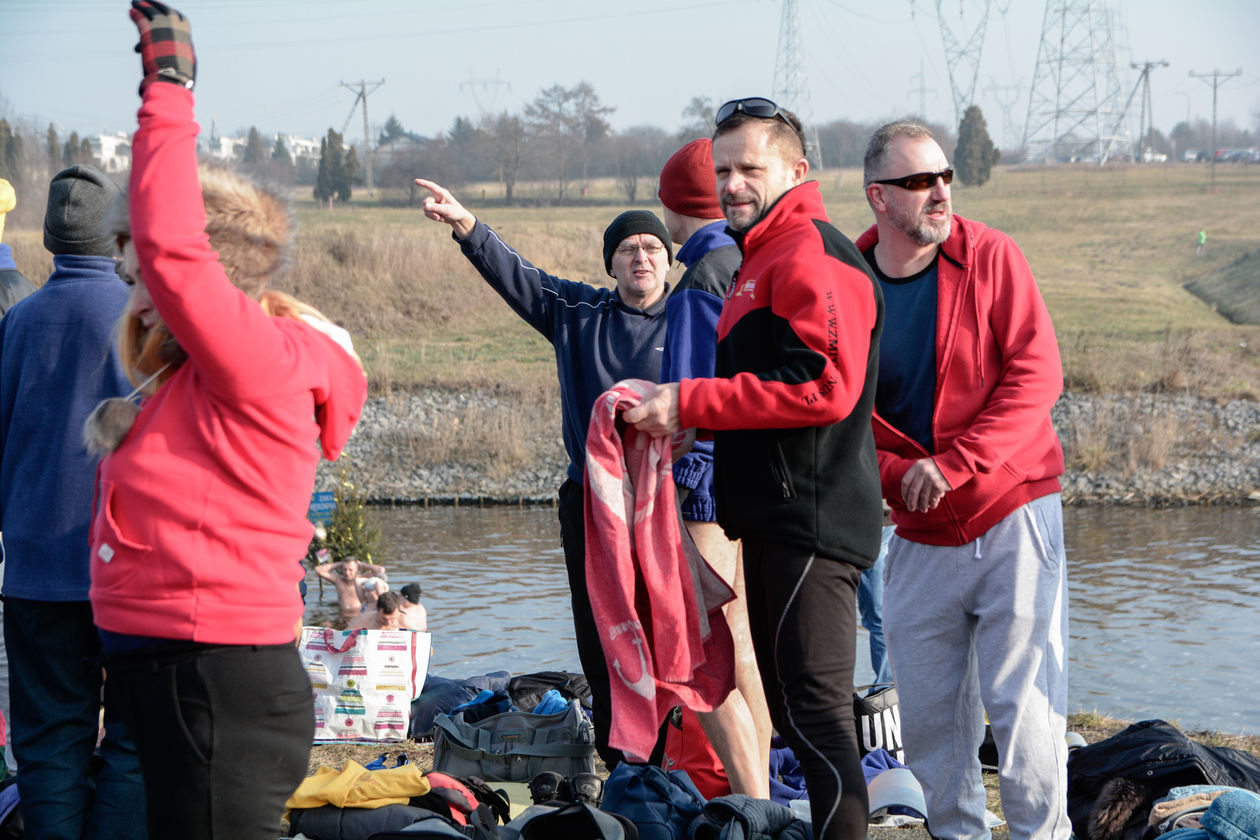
(166, 50)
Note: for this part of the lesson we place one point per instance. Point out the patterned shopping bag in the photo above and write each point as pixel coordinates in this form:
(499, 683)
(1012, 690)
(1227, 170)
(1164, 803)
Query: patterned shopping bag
(364, 681)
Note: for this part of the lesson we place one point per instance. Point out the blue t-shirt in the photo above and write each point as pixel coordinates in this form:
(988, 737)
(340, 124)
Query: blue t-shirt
(906, 390)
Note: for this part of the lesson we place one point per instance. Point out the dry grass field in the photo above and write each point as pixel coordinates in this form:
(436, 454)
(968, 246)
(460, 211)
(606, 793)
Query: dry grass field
(1112, 249)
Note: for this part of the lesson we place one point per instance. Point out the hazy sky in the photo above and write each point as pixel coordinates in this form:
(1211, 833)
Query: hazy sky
(279, 64)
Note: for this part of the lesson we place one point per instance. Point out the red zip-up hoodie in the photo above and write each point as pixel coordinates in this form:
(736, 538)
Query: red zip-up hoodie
(200, 521)
(997, 376)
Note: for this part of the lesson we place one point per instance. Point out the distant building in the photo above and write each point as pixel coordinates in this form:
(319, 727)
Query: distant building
(112, 151)
(403, 148)
(224, 148)
(299, 147)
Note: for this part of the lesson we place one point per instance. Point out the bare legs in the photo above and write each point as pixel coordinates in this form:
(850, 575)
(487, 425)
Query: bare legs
(739, 729)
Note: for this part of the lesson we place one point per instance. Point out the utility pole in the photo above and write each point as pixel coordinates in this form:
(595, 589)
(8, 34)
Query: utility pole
(1146, 119)
(1218, 78)
(361, 96)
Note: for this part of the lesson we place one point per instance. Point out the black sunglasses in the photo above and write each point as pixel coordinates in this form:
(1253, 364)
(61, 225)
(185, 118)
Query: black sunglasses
(919, 180)
(755, 106)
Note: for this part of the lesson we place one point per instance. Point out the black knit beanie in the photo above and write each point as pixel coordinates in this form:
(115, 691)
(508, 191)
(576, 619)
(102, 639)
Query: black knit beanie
(630, 223)
(79, 201)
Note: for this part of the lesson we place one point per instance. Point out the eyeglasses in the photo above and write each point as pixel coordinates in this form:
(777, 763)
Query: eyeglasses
(651, 249)
(920, 180)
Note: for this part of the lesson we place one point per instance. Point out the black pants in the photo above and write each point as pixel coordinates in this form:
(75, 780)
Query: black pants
(590, 650)
(803, 621)
(223, 733)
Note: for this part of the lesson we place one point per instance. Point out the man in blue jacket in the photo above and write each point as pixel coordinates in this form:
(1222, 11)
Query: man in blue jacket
(600, 337)
(57, 362)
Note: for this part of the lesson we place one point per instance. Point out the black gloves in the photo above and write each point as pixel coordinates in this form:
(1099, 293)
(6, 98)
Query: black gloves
(166, 50)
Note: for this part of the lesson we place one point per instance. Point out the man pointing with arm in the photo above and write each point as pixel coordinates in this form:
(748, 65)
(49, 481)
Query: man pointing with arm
(600, 337)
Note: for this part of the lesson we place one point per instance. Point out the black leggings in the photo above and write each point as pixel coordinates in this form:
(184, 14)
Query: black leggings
(223, 734)
(572, 515)
(803, 620)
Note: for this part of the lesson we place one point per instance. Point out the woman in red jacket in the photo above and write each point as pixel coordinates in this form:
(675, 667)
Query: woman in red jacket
(199, 526)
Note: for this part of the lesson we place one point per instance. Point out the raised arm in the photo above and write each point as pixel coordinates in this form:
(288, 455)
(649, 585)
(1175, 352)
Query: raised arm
(328, 571)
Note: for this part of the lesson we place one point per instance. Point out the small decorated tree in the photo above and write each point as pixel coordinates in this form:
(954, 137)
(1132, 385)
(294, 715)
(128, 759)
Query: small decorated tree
(351, 530)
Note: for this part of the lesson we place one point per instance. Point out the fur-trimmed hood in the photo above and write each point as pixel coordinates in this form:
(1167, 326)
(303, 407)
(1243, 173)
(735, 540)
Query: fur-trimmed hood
(250, 226)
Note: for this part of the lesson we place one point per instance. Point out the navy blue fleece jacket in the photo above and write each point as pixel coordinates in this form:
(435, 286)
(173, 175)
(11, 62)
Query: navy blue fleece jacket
(57, 362)
(598, 340)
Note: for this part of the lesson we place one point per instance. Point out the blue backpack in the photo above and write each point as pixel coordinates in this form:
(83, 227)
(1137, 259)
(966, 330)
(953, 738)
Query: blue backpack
(661, 804)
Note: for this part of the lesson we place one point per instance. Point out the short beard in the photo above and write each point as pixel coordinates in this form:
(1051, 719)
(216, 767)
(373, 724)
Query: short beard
(919, 229)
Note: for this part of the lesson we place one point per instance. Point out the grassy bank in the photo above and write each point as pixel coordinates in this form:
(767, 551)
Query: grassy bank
(1112, 250)
(1092, 726)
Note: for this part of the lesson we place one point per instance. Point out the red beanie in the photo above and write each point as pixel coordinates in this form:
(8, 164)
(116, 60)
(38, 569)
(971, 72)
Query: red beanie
(688, 185)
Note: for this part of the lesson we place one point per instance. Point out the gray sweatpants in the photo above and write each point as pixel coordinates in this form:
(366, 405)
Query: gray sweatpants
(983, 627)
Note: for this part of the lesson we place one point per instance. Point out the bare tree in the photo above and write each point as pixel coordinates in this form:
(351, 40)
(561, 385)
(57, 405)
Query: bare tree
(698, 120)
(505, 135)
(638, 155)
(567, 122)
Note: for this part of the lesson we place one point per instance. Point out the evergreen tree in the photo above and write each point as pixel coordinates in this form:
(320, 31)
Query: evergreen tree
(70, 153)
(255, 153)
(338, 167)
(351, 531)
(280, 152)
(53, 147)
(324, 189)
(349, 172)
(975, 154)
(10, 153)
(392, 131)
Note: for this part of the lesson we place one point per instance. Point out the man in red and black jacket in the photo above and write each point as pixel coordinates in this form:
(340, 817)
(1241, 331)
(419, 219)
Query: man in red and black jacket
(795, 474)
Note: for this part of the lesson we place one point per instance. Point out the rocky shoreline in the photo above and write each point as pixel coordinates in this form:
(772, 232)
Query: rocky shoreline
(1139, 449)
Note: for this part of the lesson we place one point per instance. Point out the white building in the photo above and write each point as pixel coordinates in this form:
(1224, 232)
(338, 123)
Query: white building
(224, 148)
(299, 147)
(112, 151)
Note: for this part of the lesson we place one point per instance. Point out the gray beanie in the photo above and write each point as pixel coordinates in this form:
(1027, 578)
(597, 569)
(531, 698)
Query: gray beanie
(79, 201)
(630, 223)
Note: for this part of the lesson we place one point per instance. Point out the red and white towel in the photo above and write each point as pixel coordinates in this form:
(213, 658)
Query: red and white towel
(656, 601)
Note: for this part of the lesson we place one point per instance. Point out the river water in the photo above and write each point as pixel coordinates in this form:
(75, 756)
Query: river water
(1164, 604)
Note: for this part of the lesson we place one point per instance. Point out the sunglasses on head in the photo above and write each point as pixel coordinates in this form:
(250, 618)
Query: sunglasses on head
(919, 180)
(755, 106)
(760, 107)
